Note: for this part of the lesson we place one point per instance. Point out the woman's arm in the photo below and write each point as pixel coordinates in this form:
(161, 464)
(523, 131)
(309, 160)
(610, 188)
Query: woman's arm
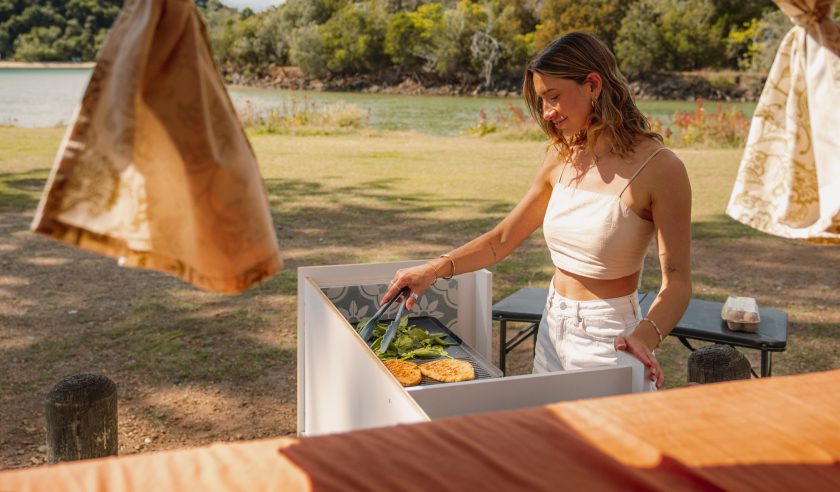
(671, 209)
(489, 248)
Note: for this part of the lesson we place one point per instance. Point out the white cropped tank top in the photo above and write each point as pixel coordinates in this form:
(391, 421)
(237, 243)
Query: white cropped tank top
(594, 234)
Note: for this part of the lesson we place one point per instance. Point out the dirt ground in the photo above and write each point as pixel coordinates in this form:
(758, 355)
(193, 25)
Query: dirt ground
(64, 311)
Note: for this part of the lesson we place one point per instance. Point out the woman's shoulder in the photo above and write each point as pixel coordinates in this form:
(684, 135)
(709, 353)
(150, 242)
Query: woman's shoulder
(655, 155)
(552, 162)
(552, 156)
(663, 167)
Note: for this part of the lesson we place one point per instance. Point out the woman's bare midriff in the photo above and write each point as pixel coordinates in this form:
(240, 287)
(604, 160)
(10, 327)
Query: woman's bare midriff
(580, 288)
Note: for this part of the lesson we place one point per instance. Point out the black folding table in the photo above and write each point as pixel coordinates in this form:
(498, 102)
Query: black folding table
(701, 321)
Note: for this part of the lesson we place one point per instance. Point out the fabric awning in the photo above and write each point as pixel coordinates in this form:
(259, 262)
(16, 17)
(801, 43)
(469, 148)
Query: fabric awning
(155, 168)
(789, 180)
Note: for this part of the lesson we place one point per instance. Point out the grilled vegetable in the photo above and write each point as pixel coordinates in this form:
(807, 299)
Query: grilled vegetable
(410, 342)
(426, 353)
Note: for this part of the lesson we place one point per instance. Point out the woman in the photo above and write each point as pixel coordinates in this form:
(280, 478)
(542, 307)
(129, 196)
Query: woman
(605, 188)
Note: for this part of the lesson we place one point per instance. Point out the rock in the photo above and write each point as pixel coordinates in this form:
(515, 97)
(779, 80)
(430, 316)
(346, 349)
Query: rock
(147, 440)
(42, 448)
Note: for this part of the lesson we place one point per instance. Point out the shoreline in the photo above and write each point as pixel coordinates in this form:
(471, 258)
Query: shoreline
(48, 65)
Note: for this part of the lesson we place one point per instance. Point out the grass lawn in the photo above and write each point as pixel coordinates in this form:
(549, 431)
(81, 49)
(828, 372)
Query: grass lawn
(196, 367)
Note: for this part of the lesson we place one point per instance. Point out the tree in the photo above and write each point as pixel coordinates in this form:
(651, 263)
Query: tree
(599, 17)
(39, 44)
(761, 37)
(639, 46)
(669, 35)
(515, 23)
(409, 38)
(306, 50)
(354, 38)
(450, 49)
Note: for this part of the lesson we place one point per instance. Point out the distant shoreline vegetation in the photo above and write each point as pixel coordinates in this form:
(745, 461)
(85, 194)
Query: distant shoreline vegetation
(443, 47)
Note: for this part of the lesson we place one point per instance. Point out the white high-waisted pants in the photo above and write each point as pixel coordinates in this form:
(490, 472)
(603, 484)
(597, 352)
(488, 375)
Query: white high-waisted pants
(580, 334)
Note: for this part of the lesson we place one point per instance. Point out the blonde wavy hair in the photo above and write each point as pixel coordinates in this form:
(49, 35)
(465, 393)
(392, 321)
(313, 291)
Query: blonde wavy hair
(615, 114)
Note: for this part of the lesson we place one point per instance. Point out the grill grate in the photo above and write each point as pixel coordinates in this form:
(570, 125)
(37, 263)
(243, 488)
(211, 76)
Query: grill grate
(480, 371)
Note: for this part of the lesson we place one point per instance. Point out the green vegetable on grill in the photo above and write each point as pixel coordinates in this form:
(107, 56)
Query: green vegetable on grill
(410, 342)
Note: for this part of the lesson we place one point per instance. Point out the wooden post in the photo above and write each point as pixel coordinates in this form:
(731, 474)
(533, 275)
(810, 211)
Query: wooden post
(81, 418)
(715, 363)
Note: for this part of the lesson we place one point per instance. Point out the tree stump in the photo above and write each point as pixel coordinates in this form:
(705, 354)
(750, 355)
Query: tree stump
(715, 363)
(81, 418)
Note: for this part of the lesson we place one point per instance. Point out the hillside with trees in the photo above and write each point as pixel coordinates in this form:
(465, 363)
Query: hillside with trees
(468, 44)
(54, 30)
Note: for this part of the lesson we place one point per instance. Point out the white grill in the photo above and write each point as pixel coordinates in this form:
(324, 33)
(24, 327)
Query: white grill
(343, 386)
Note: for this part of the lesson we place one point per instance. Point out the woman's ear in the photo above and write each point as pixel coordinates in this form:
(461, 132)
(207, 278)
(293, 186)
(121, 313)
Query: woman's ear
(593, 79)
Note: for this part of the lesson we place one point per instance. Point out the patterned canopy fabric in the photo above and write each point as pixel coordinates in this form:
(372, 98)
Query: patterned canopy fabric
(155, 168)
(789, 180)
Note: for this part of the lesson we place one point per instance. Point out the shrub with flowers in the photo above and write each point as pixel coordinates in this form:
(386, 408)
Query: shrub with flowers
(512, 123)
(726, 126)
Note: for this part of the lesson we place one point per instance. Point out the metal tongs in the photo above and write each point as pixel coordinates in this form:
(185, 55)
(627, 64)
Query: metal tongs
(391, 332)
(367, 330)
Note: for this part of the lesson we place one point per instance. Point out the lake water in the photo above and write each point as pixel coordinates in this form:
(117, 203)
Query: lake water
(48, 97)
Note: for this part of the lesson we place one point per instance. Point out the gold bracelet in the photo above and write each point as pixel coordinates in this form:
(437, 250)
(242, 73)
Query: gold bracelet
(453, 266)
(653, 323)
(437, 275)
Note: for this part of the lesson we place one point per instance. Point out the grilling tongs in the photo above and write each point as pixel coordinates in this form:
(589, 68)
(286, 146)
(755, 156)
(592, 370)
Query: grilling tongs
(392, 328)
(367, 330)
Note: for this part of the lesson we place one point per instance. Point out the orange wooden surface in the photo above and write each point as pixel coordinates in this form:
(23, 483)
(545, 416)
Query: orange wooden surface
(780, 433)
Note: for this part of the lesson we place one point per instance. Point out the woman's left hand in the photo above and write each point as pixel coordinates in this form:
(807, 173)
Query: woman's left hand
(637, 348)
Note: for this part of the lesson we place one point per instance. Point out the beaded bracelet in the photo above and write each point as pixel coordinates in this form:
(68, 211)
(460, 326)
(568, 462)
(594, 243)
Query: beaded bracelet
(654, 327)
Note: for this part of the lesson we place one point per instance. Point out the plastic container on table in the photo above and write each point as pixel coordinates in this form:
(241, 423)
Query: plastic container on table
(741, 314)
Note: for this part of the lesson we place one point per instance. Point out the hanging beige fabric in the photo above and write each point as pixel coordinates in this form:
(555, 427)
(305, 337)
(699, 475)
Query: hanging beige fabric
(155, 168)
(789, 180)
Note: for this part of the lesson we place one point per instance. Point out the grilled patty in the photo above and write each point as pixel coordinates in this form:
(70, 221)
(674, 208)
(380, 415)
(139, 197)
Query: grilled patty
(448, 370)
(407, 373)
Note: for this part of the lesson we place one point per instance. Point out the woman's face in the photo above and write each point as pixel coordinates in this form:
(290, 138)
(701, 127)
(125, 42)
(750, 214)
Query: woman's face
(565, 103)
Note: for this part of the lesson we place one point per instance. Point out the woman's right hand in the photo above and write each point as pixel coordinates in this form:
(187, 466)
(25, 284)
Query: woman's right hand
(418, 279)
